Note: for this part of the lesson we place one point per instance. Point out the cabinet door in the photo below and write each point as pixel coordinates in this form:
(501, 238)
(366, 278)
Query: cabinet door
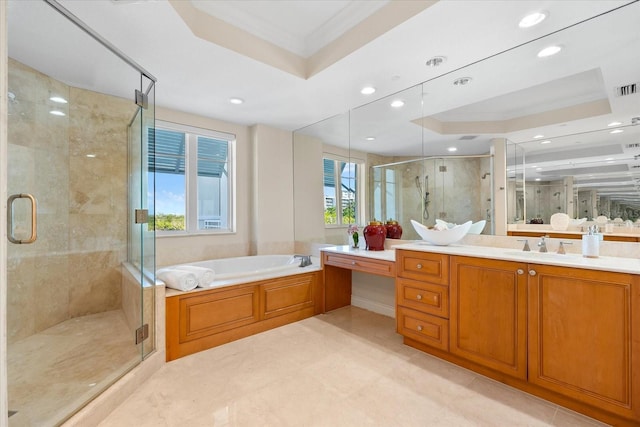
(584, 329)
(489, 313)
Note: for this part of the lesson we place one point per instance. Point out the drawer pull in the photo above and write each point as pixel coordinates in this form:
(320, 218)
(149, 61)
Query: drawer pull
(532, 273)
(353, 263)
(419, 328)
(418, 297)
(520, 271)
(419, 266)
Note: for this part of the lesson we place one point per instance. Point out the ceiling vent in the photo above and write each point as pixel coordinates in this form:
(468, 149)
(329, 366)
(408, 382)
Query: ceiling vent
(629, 89)
(468, 137)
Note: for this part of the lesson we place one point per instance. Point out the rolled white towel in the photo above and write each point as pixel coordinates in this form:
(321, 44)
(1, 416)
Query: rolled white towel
(181, 280)
(205, 276)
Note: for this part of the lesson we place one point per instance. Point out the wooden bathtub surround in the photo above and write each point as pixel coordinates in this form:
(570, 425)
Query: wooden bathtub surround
(201, 320)
(568, 335)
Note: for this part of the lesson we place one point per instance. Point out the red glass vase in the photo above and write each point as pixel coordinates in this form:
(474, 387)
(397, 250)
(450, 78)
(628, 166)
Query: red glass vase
(394, 230)
(374, 235)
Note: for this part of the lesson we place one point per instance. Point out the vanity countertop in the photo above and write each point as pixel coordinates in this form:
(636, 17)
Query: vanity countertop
(604, 263)
(385, 255)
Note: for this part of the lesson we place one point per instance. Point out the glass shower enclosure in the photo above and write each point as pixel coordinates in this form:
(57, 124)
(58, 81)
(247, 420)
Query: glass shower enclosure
(80, 255)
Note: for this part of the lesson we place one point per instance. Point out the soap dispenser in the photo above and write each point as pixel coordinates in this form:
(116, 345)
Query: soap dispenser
(591, 243)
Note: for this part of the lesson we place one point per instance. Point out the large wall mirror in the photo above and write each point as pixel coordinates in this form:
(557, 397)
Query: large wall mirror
(532, 137)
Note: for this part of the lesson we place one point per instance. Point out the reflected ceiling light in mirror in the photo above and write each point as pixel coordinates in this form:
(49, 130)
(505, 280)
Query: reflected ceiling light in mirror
(91, 156)
(532, 19)
(370, 138)
(538, 179)
(57, 113)
(368, 90)
(58, 99)
(236, 101)
(452, 149)
(538, 136)
(397, 103)
(549, 51)
(545, 142)
(435, 61)
(614, 124)
(462, 81)
(617, 131)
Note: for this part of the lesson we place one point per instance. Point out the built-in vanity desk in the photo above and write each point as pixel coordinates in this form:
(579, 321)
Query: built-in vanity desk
(562, 327)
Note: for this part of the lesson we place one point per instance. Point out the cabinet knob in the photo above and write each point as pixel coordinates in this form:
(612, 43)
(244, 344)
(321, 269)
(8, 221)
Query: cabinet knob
(532, 273)
(520, 271)
(419, 328)
(419, 266)
(353, 263)
(418, 297)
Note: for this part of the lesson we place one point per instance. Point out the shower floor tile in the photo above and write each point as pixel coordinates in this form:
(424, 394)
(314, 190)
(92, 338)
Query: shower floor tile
(57, 370)
(344, 368)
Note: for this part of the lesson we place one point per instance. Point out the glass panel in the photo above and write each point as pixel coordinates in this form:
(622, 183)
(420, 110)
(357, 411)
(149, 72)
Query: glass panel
(213, 184)
(169, 165)
(74, 299)
(330, 193)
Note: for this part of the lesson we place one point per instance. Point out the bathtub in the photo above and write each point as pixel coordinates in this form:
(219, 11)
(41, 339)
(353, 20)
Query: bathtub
(230, 271)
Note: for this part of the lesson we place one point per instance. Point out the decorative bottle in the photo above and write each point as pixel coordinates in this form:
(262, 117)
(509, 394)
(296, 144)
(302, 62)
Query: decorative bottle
(394, 230)
(374, 235)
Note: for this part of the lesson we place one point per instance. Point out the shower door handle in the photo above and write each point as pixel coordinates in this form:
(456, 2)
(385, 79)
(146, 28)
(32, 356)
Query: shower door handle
(34, 227)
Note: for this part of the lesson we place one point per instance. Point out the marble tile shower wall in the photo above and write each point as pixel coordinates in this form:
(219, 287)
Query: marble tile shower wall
(73, 269)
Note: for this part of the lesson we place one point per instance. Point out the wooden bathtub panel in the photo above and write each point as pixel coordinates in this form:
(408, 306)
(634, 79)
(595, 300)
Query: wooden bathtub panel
(197, 321)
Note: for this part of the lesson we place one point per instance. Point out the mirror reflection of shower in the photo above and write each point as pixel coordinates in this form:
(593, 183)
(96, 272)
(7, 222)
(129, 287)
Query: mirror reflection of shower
(424, 195)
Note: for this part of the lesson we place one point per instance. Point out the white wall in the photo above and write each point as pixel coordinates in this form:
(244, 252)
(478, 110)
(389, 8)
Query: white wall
(272, 201)
(3, 214)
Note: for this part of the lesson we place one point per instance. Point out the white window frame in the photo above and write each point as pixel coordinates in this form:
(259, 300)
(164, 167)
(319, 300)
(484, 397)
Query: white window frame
(191, 179)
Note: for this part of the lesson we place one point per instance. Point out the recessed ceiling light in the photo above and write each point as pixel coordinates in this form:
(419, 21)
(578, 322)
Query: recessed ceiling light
(452, 149)
(236, 101)
(435, 61)
(617, 131)
(611, 161)
(370, 138)
(397, 103)
(462, 81)
(614, 124)
(537, 179)
(545, 142)
(538, 136)
(538, 169)
(58, 99)
(534, 166)
(532, 19)
(91, 156)
(549, 51)
(368, 90)
(57, 113)
(609, 158)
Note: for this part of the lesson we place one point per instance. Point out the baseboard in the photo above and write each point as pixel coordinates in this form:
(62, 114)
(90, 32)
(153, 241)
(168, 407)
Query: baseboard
(376, 307)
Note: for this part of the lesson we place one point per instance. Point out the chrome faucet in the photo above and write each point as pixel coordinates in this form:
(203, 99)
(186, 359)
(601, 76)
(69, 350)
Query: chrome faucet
(305, 260)
(542, 244)
(526, 247)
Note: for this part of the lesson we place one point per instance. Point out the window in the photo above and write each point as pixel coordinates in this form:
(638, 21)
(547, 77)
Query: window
(341, 184)
(386, 192)
(194, 180)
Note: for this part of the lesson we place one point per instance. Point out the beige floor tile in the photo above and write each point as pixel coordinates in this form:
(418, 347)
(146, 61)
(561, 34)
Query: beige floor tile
(345, 368)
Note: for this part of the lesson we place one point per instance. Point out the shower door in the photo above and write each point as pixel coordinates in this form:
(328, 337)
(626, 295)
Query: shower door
(76, 288)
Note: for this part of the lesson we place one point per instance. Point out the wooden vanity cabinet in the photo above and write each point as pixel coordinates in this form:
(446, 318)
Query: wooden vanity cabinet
(422, 298)
(337, 275)
(488, 323)
(584, 336)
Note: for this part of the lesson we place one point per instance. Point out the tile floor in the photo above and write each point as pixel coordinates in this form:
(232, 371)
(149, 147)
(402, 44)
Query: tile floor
(55, 371)
(344, 368)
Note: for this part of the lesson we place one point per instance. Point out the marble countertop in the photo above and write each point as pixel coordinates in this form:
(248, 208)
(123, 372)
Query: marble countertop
(603, 263)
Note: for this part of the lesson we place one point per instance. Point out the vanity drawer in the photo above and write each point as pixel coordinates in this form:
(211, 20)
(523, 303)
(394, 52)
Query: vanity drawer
(422, 296)
(426, 266)
(425, 328)
(366, 265)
